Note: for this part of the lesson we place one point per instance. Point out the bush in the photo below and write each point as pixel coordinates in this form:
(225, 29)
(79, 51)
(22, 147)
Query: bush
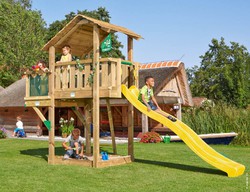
(3, 133)
(220, 119)
(151, 137)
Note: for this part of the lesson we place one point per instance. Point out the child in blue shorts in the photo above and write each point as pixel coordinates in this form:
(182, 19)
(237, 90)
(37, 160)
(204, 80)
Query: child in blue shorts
(19, 125)
(146, 96)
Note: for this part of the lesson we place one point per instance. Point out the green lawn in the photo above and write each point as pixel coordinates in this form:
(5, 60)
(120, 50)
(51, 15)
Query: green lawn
(158, 167)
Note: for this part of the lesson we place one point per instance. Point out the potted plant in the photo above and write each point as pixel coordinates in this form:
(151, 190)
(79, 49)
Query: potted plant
(66, 126)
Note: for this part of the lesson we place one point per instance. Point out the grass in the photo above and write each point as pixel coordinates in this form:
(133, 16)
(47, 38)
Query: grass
(158, 167)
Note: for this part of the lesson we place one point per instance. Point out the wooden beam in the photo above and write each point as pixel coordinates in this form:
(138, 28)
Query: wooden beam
(79, 115)
(32, 98)
(130, 106)
(51, 157)
(178, 112)
(87, 112)
(72, 30)
(96, 99)
(40, 103)
(111, 126)
(144, 123)
(39, 113)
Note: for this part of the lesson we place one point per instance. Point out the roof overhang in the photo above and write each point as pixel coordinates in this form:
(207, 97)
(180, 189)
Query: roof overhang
(78, 33)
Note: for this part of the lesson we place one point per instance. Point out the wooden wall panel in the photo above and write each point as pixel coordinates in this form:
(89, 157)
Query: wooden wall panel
(120, 121)
(8, 117)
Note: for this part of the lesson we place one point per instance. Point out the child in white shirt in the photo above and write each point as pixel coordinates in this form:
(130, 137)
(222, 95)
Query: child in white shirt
(19, 125)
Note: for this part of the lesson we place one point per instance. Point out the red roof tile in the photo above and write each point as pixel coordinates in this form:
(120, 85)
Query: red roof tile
(160, 64)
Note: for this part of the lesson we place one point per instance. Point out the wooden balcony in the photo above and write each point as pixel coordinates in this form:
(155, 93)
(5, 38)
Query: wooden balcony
(73, 80)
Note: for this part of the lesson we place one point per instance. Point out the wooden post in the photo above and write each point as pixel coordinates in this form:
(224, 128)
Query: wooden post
(51, 158)
(87, 112)
(144, 123)
(111, 125)
(130, 106)
(178, 111)
(96, 100)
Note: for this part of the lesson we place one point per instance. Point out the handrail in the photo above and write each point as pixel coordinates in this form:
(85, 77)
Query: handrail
(85, 61)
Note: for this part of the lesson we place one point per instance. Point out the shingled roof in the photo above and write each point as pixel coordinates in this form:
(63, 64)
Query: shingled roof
(13, 96)
(78, 33)
(164, 73)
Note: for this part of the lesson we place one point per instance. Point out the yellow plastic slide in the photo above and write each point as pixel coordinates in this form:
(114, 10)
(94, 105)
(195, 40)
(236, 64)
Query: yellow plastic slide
(194, 142)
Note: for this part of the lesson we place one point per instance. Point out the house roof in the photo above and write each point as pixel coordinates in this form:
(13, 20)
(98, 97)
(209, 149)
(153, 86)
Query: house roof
(78, 33)
(163, 72)
(13, 96)
(198, 101)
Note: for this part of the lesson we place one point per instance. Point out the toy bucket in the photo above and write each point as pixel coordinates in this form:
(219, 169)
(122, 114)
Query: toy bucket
(166, 139)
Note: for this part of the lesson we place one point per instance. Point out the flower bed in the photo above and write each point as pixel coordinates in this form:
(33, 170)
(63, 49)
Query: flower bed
(151, 137)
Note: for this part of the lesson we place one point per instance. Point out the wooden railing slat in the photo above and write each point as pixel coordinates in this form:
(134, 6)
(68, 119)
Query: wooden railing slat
(86, 75)
(72, 76)
(104, 75)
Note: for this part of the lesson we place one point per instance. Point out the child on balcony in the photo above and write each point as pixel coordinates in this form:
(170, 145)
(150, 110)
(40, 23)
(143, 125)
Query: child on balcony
(76, 145)
(66, 56)
(43, 78)
(146, 96)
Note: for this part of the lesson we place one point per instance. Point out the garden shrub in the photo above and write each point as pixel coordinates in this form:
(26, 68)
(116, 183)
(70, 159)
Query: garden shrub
(3, 133)
(151, 137)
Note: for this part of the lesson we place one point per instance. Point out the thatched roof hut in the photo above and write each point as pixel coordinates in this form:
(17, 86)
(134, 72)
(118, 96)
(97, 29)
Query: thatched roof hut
(1, 88)
(13, 96)
(170, 81)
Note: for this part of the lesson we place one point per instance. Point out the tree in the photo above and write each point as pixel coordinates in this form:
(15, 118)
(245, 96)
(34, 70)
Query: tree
(22, 34)
(101, 14)
(223, 74)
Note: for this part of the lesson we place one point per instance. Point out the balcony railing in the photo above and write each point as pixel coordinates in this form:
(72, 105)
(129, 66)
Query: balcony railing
(74, 79)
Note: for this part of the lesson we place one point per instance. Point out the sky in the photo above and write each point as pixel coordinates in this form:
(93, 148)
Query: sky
(171, 29)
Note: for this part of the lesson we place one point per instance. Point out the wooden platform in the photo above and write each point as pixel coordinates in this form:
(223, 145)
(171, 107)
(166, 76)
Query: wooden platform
(113, 161)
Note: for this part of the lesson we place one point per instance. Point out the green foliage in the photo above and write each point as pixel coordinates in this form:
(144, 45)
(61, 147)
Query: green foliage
(220, 119)
(22, 34)
(66, 126)
(224, 74)
(102, 14)
(3, 133)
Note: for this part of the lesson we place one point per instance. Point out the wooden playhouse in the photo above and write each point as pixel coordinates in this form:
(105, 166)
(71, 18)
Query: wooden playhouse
(69, 85)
